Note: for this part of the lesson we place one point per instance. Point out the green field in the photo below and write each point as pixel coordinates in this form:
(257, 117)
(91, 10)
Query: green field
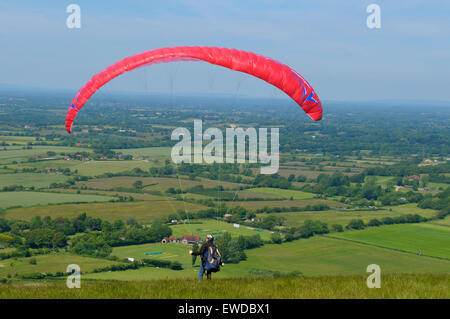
(152, 152)
(31, 179)
(9, 199)
(143, 212)
(432, 240)
(209, 226)
(413, 209)
(95, 168)
(393, 286)
(245, 194)
(50, 264)
(444, 222)
(316, 256)
(136, 196)
(382, 180)
(253, 205)
(14, 153)
(286, 193)
(41, 165)
(331, 217)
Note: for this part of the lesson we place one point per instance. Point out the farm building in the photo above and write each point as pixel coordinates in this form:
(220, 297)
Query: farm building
(185, 239)
(190, 239)
(171, 239)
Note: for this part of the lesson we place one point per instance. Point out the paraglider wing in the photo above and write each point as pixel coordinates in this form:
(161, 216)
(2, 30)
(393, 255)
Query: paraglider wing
(269, 70)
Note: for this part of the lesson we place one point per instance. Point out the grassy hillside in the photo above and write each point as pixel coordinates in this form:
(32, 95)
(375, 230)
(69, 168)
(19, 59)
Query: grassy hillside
(31, 179)
(207, 226)
(317, 256)
(343, 217)
(50, 263)
(286, 193)
(9, 199)
(431, 240)
(322, 256)
(392, 286)
(141, 211)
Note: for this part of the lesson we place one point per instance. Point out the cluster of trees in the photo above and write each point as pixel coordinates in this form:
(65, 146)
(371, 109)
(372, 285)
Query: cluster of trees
(217, 192)
(174, 265)
(118, 234)
(270, 222)
(98, 236)
(225, 171)
(307, 208)
(439, 202)
(274, 180)
(402, 219)
(308, 229)
(231, 251)
(360, 187)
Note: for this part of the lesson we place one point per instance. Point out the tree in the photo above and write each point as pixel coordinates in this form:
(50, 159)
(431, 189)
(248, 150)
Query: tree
(276, 238)
(4, 226)
(59, 240)
(374, 222)
(39, 238)
(138, 184)
(36, 222)
(230, 250)
(337, 228)
(355, 224)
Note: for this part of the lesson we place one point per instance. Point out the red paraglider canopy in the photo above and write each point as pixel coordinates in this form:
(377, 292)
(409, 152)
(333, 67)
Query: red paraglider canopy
(267, 69)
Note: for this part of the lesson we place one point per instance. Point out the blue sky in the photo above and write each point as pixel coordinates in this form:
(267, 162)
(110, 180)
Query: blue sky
(327, 41)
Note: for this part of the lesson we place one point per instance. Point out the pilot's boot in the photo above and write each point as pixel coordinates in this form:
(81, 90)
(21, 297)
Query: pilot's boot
(208, 276)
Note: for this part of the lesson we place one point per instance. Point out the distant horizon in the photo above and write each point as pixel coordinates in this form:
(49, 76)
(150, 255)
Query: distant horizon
(5, 87)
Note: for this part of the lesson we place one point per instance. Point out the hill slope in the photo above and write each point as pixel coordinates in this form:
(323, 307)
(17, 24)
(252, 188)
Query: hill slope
(392, 286)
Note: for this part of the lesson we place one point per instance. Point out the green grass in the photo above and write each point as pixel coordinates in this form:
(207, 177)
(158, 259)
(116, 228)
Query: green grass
(31, 179)
(245, 194)
(437, 185)
(321, 256)
(316, 256)
(146, 273)
(209, 226)
(382, 180)
(94, 168)
(153, 183)
(331, 217)
(444, 222)
(413, 209)
(58, 164)
(9, 199)
(253, 205)
(152, 152)
(16, 153)
(432, 240)
(143, 212)
(50, 263)
(136, 196)
(286, 193)
(392, 286)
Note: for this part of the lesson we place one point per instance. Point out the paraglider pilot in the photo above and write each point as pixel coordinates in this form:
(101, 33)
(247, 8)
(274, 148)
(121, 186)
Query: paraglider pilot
(205, 253)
